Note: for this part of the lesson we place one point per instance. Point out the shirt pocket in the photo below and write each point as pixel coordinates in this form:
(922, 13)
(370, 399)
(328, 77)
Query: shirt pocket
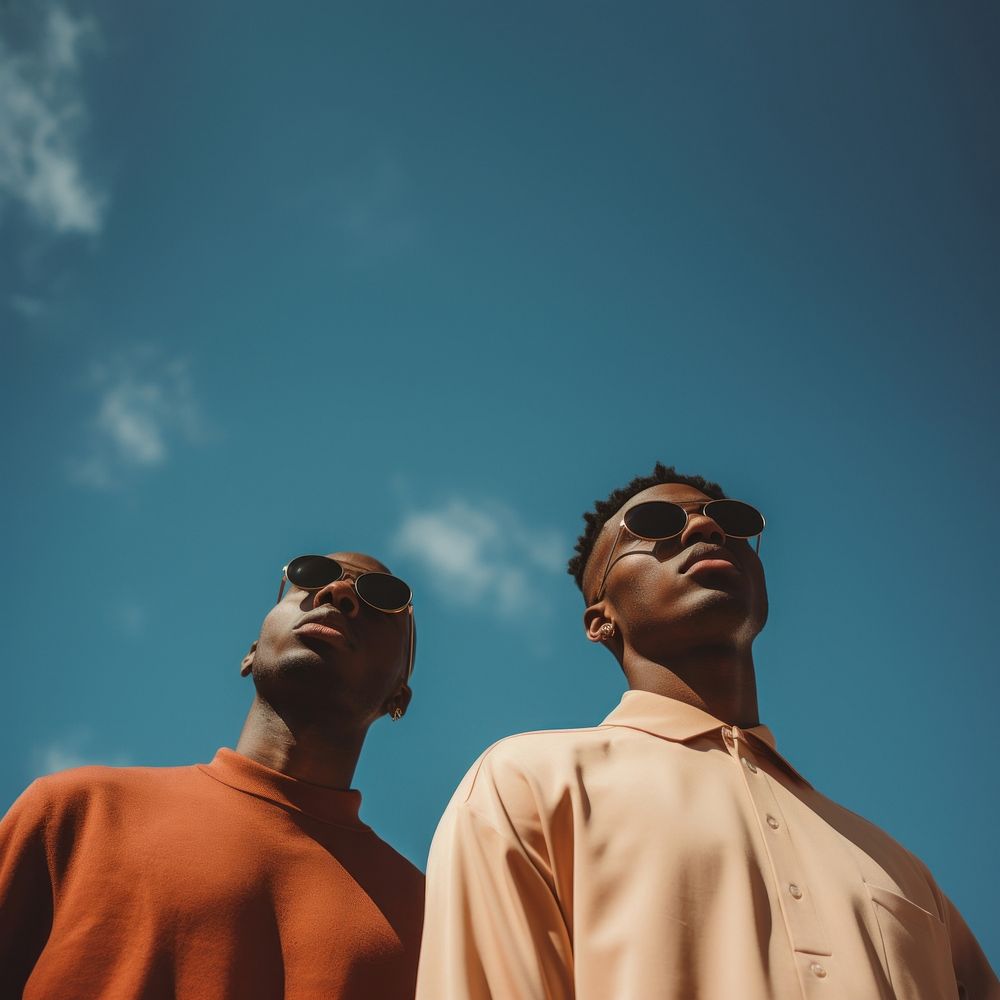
(917, 948)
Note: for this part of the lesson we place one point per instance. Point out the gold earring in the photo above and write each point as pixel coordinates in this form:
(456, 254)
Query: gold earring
(606, 631)
(396, 714)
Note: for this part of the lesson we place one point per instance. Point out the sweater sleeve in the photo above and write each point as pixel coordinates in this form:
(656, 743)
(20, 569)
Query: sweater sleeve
(25, 890)
(493, 926)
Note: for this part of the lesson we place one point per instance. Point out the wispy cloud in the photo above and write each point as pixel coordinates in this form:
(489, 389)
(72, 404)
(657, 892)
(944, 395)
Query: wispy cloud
(128, 617)
(71, 750)
(373, 213)
(483, 555)
(26, 306)
(42, 119)
(143, 405)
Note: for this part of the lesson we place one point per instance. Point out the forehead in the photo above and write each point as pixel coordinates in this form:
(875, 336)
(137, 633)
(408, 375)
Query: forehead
(359, 562)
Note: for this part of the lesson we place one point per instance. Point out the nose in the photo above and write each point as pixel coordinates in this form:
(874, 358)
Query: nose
(341, 594)
(701, 528)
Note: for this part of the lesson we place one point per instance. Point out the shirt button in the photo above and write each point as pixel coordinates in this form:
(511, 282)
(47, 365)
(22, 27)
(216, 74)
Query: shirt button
(751, 766)
(772, 822)
(795, 891)
(817, 970)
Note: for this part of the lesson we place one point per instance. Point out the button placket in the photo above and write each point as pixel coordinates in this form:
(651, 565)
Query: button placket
(805, 931)
(817, 975)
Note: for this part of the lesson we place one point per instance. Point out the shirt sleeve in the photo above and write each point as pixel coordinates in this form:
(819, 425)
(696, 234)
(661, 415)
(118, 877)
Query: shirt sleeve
(974, 976)
(493, 926)
(25, 890)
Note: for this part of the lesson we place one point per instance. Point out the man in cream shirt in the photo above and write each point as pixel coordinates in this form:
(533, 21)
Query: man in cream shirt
(671, 851)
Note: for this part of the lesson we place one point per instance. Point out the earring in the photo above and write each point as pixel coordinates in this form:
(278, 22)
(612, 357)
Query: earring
(396, 714)
(606, 631)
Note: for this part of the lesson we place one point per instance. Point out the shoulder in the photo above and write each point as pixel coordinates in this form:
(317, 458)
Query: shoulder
(859, 829)
(61, 790)
(81, 789)
(884, 860)
(542, 754)
(98, 779)
(525, 774)
(402, 869)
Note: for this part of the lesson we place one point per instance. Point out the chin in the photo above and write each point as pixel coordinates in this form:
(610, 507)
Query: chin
(708, 598)
(709, 615)
(296, 697)
(301, 671)
(304, 662)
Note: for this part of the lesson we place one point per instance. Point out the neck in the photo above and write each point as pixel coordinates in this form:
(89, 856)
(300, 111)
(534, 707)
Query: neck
(719, 680)
(322, 755)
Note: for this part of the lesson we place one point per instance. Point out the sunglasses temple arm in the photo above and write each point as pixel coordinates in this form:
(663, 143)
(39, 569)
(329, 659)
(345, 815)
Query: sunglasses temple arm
(607, 565)
(409, 665)
(281, 589)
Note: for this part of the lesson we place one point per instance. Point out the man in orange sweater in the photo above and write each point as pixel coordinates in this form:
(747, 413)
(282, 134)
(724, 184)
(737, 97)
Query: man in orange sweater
(248, 877)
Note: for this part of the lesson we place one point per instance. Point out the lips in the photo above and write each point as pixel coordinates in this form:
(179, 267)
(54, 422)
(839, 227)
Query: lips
(703, 553)
(327, 624)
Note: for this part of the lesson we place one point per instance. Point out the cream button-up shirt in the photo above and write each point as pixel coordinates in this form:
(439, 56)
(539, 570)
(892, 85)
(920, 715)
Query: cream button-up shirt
(664, 855)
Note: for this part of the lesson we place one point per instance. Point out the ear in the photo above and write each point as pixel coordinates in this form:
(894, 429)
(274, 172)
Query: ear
(593, 618)
(246, 664)
(400, 698)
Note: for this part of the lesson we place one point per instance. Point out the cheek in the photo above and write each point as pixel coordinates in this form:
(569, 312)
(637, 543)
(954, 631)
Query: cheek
(276, 623)
(645, 593)
(756, 569)
(394, 638)
(762, 595)
(380, 638)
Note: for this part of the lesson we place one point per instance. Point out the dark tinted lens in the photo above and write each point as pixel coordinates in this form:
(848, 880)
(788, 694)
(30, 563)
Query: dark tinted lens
(387, 593)
(736, 518)
(313, 572)
(656, 519)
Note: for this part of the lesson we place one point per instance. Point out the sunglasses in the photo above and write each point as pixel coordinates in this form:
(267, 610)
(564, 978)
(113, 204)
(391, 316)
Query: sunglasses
(658, 520)
(381, 591)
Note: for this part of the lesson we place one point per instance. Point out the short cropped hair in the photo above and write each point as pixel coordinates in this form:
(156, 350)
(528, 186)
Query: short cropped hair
(603, 509)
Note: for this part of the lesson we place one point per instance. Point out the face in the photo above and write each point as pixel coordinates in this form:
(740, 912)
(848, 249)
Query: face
(700, 586)
(327, 651)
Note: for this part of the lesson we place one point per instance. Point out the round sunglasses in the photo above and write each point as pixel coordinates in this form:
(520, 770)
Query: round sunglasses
(381, 591)
(659, 520)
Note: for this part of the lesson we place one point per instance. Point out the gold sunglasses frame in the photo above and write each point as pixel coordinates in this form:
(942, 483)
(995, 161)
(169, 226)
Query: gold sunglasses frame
(702, 508)
(407, 607)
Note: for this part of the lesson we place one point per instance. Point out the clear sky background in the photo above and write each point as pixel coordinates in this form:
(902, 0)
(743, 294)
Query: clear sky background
(425, 280)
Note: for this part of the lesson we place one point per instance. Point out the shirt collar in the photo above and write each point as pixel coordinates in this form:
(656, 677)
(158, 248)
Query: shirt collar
(674, 720)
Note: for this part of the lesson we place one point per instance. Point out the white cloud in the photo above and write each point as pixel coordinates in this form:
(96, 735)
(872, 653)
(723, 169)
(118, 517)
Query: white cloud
(373, 211)
(128, 617)
(27, 307)
(71, 751)
(483, 555)
(143, 405)
(42, 117)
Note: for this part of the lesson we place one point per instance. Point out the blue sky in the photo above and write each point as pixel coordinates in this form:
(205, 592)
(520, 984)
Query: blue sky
(426, 283)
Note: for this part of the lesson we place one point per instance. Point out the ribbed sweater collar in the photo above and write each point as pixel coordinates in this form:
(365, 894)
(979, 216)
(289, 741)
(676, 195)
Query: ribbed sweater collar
(331, 805)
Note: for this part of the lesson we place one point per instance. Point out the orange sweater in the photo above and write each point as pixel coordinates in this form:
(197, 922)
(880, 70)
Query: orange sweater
(225, 880)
